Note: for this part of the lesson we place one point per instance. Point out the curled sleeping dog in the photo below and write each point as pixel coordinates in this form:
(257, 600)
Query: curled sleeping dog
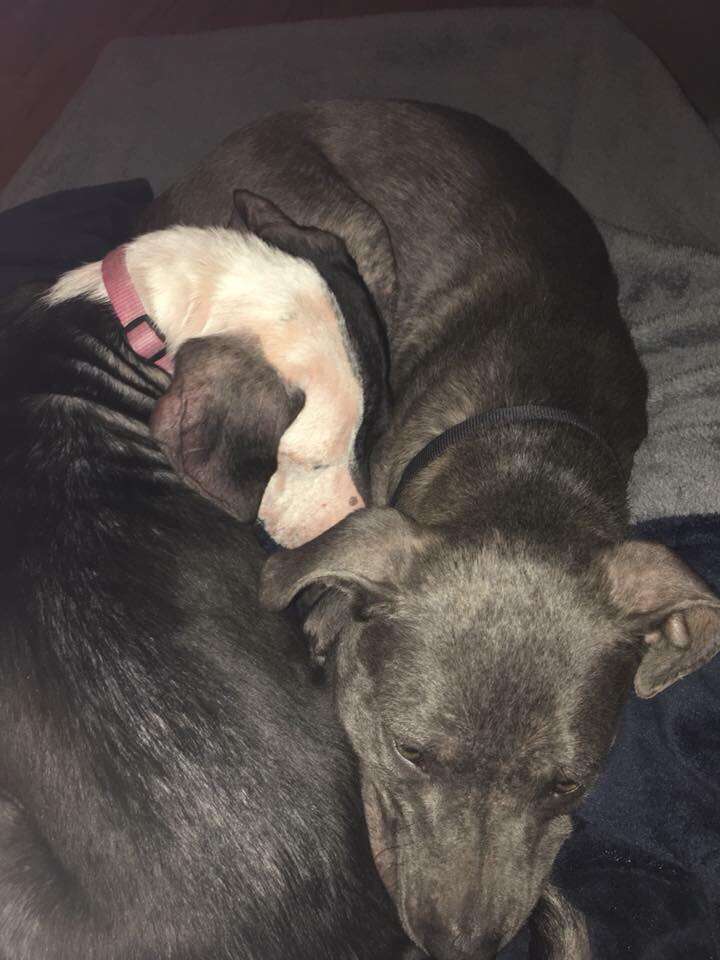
(173, 783)
(487, 626)
(293, 295)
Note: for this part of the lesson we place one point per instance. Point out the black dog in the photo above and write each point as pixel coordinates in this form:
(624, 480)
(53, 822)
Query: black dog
(172, 784)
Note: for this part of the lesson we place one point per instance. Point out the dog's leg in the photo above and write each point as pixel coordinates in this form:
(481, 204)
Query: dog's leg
(312, 488)
(412, 953)
(557, 929)
(40, 909)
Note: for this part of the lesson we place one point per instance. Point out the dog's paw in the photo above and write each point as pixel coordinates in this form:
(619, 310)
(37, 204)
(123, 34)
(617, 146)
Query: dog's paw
(301, 502)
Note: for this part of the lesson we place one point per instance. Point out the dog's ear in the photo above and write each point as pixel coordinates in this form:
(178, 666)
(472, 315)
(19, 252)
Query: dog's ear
(258, 215)
(674, 611)
(267, 221)
(362, 560)
(221, 419)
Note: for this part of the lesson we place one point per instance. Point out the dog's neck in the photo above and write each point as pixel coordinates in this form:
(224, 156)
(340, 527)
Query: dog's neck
(198, 282)
(545, 484)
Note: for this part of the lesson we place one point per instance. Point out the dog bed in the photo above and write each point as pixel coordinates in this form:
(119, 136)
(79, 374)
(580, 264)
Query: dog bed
(602, 114)
(577, 89)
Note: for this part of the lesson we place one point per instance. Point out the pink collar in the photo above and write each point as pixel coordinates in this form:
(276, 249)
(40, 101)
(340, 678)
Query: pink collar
(142, 334)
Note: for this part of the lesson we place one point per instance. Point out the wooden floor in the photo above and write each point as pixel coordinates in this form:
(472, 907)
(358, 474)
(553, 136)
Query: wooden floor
(47, 47)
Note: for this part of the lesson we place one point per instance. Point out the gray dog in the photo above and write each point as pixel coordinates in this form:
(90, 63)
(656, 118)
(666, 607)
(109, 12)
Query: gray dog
(488, 625)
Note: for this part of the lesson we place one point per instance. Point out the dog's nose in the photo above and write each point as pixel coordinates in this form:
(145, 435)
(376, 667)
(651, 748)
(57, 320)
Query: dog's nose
(441, 945)
(488, 948)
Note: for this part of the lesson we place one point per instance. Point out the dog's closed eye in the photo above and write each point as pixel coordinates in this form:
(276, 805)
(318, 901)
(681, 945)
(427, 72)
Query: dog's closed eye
(565, 788)
(410, 753)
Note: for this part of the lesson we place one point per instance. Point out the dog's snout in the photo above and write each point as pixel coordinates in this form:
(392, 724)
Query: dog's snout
(443, 944)
(488, 947)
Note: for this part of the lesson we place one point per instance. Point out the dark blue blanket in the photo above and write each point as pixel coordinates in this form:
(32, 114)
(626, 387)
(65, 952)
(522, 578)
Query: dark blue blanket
(41, 239)
(644, 860)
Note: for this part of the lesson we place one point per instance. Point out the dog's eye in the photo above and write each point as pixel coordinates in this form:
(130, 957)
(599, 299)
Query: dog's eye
(409, 753)
(566, 788)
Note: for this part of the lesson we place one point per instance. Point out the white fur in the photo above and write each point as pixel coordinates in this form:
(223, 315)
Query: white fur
(201, 282)
(179, 272)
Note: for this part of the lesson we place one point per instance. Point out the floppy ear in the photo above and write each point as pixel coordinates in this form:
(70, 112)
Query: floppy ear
(221, 419)
(267, 221)
(363, 559)
(676, 613)
(258, 214)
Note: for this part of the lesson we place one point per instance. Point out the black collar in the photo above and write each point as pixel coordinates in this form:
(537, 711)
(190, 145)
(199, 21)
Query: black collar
(529, 413)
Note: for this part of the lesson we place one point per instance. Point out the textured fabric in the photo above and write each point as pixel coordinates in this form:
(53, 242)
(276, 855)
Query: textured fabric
(644, 861)
(41, 239)
(670, 296)
(574, 86)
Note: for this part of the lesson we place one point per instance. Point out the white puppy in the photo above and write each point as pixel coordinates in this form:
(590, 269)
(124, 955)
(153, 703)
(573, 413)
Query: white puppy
(196, 282)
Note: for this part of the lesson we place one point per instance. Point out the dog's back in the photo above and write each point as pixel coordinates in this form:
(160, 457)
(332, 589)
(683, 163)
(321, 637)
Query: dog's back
(172, 783)
(491, 278)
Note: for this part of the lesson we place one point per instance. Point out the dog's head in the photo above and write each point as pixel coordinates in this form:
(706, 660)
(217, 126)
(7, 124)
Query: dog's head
(221, 420)
(481, 686)
(226, 409)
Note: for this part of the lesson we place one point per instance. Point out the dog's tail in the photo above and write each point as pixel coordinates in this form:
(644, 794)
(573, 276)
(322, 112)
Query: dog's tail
(557, 929)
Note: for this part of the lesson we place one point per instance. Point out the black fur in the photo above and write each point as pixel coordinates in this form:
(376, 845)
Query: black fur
(173, 784)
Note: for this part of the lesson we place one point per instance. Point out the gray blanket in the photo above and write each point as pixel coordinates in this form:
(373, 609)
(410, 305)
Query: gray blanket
(583, 94)
(577, 89)
(670, 296)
